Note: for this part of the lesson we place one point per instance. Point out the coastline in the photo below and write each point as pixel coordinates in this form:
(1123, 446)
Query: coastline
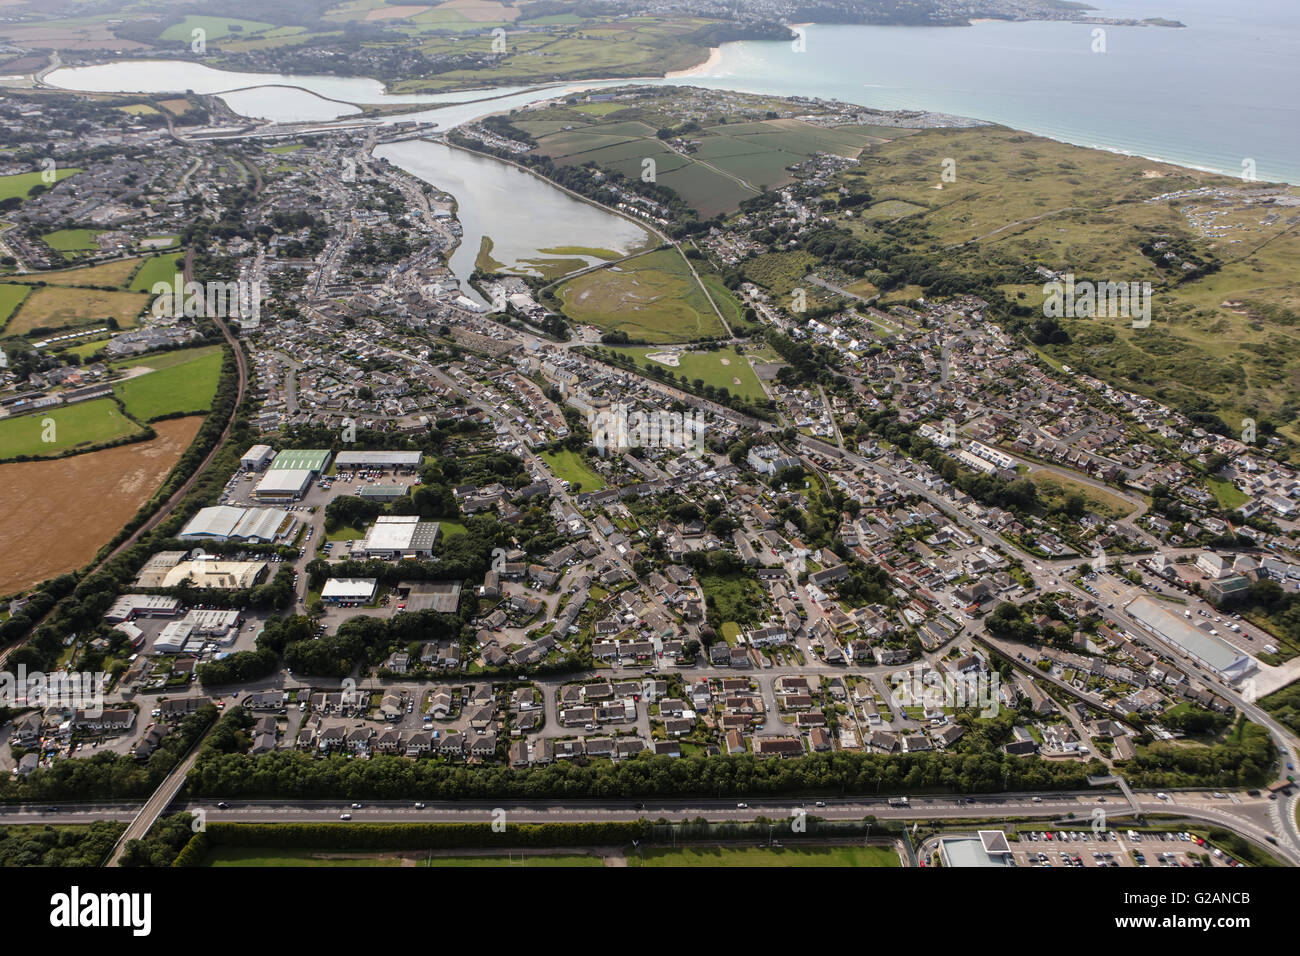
(715, 57)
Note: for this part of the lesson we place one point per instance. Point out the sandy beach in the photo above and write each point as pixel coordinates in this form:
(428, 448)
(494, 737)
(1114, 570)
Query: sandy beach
(715, 57)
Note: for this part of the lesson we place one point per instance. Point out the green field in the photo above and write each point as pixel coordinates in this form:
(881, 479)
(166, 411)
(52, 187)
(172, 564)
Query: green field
(256, 856)
(81, 425)
(721, 369)
(569, 466)
(653, 298)
(19, 184)
(182, 381)
(71, 240)
(820, 856)
(11, 296)
(161, 268)
(217, 28)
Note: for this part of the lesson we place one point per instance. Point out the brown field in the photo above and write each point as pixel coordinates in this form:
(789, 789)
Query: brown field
(92, 36)
(54, 307)
(106, 273)
(176, 106)
(481, 11)
(57, 514)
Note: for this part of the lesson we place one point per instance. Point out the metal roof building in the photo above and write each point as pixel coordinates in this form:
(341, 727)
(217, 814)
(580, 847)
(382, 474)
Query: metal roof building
(394, 535)
(379, 460)
(1219, 656)
(284, 484)
(359, 590)
(298, 459)
(230, 523)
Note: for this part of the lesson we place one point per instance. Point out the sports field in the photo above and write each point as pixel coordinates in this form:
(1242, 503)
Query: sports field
(653, 298)
(721, 369)
(86, 423)
(569, 466)
(182, 381)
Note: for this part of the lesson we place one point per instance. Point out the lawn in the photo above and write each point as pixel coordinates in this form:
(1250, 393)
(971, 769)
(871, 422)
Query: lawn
(721, 369)
(653, 298)
(1227, 494)
(184, 381)
(449, 528)
(569, 466)
(839, 856)
(54, 307)
(80, 425)
(19, 184)
(345, 532)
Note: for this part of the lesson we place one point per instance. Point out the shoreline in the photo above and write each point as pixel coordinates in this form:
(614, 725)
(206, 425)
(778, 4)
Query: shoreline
(702, 69)
(714, 58)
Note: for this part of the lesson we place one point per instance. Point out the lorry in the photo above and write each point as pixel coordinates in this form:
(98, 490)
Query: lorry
(898, 801)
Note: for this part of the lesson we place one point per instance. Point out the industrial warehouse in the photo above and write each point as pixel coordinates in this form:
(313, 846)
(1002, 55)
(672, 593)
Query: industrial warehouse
(400, 536)
(1207, 649)
(230, 523)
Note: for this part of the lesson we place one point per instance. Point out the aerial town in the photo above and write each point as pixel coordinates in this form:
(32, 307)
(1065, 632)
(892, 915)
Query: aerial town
(726, 505)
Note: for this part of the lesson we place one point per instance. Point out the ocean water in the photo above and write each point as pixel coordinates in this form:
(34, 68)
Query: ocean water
(1219, 93)
(1216, 95)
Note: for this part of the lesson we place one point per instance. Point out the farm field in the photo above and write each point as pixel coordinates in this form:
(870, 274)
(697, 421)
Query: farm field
(215, 28)
(730, 162)
(50, 533)
(159, 268)
(569, 466)
(820, 856)
(721, 369)
(11, 296)
(653, 298)
(105, 274)
(86, 423)
(55, 307)
(629, 47)
(182, 381)
(19, 184)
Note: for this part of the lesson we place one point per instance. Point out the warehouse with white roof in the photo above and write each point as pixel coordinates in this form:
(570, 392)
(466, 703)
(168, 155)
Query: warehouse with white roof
(396, 536)
(1216, 655)
(377, 460)
(231, 523)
